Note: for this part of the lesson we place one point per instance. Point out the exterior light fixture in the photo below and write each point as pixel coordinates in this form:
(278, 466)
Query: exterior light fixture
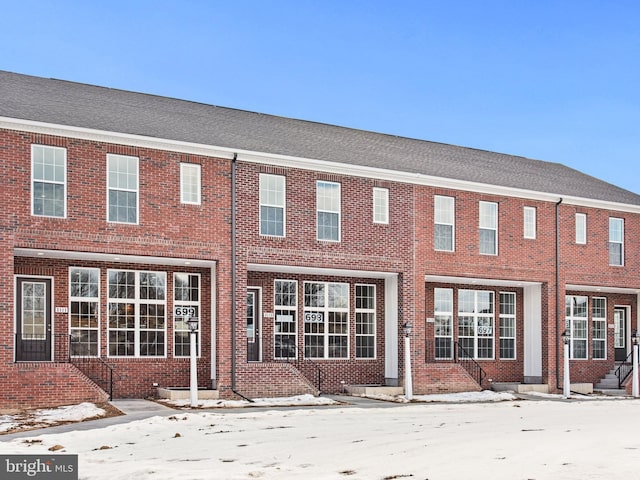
(407, 327)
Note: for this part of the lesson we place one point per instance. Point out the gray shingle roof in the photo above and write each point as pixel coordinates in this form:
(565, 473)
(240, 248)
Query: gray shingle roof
(79, 105)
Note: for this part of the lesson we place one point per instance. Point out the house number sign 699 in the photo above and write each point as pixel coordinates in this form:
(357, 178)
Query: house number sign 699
(184, 311)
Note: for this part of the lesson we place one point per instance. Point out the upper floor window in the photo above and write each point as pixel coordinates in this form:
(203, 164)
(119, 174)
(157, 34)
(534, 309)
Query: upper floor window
(581, 228)
(122, 187)
(616, 241)
(530, 222)
(272, 205)
(190, 183)
(328, 210)
(444, 215)
(488, 228)
(380, 205)
(49, 181)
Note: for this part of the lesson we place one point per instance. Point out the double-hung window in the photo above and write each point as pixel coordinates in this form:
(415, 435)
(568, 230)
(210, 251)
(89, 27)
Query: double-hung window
(581, 228)
(488, 228)
(599, 327)
(507, 325)
(328, 210)
(577, 308)
(380, 205)
(443, 331)
(186, 303)
(365, 321)
(136, 312)
(122, 188)
(529, 222)
(190, 183)
(326, 320)
(49, 181)
(616, 241)
(84, 301)
(475, 323)
(444, 220)
(272, 205)
(286, 307)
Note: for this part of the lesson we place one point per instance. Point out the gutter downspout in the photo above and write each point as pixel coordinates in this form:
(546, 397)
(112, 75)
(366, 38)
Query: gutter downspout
(558, 306)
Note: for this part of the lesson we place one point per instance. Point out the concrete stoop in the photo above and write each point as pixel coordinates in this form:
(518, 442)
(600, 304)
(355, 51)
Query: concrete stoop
(180, 393)
(519, 387)
(359, 390)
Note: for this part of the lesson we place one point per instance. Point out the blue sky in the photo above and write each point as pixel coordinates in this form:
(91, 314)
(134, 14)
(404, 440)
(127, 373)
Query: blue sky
(551, 80)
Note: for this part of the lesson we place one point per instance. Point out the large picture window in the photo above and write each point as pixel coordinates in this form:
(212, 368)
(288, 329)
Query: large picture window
(84, 301)
(286, 304)
(122, 188)
(49, 181)
(599, 327)
(328, 210)
(186, 293)
(365, 321)
(576, 309)
(272, 205)
(443, 302)
(326, 320)
(475, 323)
(137, 313)
(444, 220)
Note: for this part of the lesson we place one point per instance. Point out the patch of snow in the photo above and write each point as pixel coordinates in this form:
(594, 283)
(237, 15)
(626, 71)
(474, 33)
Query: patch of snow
(298, 400)
(69, 413)
(7, 422)
(466, 397)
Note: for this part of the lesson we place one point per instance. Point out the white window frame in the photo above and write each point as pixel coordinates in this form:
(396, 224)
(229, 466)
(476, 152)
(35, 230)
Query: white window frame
(443, 323)
(529, 218)
(84, 299)
(269, 198)
(325, 310)
(35, 178)
(117, 188)
(366, 312)
(504, 329)
(575, 322)
(613, 240)
(180, 323)
(581, 228)
(327, 204)
(599, 315)
(488, 221)
(137, 302)
(190, 183)
(479, 318)
(381, 205)
(285, 315)
(444, 214)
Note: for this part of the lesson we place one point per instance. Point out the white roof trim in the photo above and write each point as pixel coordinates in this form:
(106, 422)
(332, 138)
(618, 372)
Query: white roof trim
(335, 272)
(602, 289)
(302, 163)
(492, 282)
(112, 258)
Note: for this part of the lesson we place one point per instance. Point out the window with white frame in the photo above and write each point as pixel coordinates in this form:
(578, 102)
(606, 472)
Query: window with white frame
(443, 326)
(599, 327)
(122, 188)
(444, 220)
(326, 320)
(507, 325)
(488, 228)
(475, 323)
(328, 210)
(49, 181)
(84, 318)
(529, 222)
(272, 204)
(190, 183)
(365, 321)
(286, 307)
(616, 241)
(581, 228)
(186, 303)
(380, 205)
(136, 313)
(577, 308)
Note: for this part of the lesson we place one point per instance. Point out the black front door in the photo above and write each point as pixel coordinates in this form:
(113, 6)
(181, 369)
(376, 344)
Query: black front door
(620, 333)
(33, 319)
(253, 326)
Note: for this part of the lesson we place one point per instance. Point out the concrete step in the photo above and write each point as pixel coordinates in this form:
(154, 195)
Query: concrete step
(616, 392)
(607, 384)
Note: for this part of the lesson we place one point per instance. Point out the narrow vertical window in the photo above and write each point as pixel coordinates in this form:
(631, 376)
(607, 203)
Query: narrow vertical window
(122, 187)
(328, 210)
(84, 301)
(186, 303)
(488, 228)
(576, 323)
(49, 181)
(507, 326)
(444, 220)
(581, 228)
(443, 327)
(616, 241)
(286, 307)
(365, 321)
(599, 327)
(529, 222)
(272, 205)
(190, 183)
(380, 205)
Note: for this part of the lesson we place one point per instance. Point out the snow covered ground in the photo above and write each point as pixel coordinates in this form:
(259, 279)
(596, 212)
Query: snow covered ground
(544, 439)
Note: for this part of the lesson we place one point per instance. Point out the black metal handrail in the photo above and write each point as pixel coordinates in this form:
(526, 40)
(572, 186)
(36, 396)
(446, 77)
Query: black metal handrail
(299, 363)
(97, 370)
(624, 370)
(473, 368)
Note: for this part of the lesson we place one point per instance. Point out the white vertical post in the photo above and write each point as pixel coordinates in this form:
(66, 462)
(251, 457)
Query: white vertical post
(408, 384)
(634, 384)
(566, 387)
(193, 353)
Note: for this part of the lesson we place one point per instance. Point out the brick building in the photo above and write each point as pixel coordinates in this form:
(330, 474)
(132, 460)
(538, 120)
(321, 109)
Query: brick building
(302, 248)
